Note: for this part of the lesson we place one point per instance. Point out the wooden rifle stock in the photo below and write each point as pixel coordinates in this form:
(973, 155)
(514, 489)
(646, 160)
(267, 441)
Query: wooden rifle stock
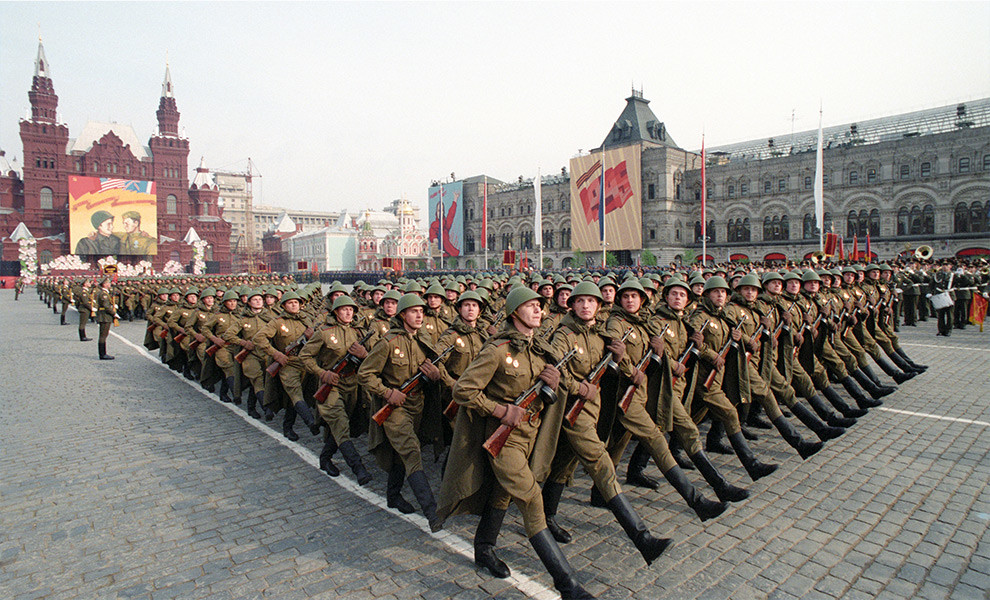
(347, 362)
(407, 386)
(594, 378)
(243, 354)
(690, 351)
(290, 350)
(179, 337)
(212, 350)
(641, 366)
(497, 440)
(724, 352)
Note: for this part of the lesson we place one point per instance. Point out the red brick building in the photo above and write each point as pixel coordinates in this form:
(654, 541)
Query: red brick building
(38, 195)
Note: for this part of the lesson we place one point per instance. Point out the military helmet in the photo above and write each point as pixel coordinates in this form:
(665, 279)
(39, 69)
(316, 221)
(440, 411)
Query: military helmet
(750, 279)
(810, 275)
(192, 290)
(771, 276)
(470, 295)
(342, 301)
(409, 301)
(607, 280)
(676, 281)
(210, 291)
(290, 296)
(632, 284)
(252, 292)
(412, 288)
(850, 270)
(392, 294)
(518, 296)
(585, 288)
(716, 282)
(435, 289)
(872, 267)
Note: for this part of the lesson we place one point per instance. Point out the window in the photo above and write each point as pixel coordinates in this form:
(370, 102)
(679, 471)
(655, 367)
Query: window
(127, 169)
(928, 220)
(653, 234)
(782, 185)
(46, 199)
(743, 188)
(874, 223)
(651, 191)
(807, 183)
(871, 176)
(96, 166)
(46, 223)
(710, 232)
(732, 191)
(853, 177)
(824, 179)
(79, 165)
(986, 162)
(905, 171)
(809, 229)
(903, 221)
(961, 218)
(926, 169)
(170, 204)
(766, 186)
(964, 165)
(44, 257)
(979, 220)
(171, 227)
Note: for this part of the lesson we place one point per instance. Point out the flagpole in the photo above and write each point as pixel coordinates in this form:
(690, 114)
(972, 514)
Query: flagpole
(484, 223)
(440, 222)
(704, 196)
(538, 197)
(601, 209)
(820, 186)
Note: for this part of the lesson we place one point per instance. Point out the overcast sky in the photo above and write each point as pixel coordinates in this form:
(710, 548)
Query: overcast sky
(350, 105)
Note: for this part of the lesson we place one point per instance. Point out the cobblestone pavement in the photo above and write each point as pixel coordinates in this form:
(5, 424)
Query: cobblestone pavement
(121, 480)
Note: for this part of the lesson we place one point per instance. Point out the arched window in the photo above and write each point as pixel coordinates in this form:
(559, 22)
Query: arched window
(711, 232)
(697, 231)
(170, 205)
(928, 220)
(827, 222)
(903, 221)
(745, 230)
(915, 220)
(767, 229)
(979, 221)
(730, 231)
(875, 223)
(46, 199)
(808, 229)
(785, 228)
(851, 224)
(961, 218)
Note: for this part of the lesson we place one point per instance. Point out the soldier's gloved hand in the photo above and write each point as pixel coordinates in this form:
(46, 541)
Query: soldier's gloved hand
(617, 348)
(509, 414)
(678, 369)
(309, 332)
(247, 345)
(798, 339)
(199, 337)
(719, 362)
(754, 345)
(395, 397)
(638, 378)
(736, 334)
(787, 317)
(216, 340)
(330, 378)
(656, 344)
(357, 350)
(430, 370)
(550, 376)
(586, 391)
(765, 321)
(808, 319)
(281, 358)
(491, 330)
(698, 338)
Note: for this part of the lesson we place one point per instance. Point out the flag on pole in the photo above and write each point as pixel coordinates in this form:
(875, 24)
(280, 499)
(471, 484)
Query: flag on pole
(819, 188)
(855, 252)
(842, 253)
(869, 255)
(978, 310)
(538, 218)
(704, 196)
(484, 217)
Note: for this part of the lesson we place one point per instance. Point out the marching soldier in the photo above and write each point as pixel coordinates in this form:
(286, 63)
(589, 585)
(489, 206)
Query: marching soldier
(84, 304)
(106, 313)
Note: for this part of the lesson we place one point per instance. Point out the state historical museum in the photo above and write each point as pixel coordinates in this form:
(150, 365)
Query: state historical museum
(38, 194)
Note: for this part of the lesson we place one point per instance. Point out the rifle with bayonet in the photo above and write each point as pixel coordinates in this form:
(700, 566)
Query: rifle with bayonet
(691, 350)
(724, 351)
(407, 387)
(290, 350)
(641, 366)
(345, 365)
(594, 379)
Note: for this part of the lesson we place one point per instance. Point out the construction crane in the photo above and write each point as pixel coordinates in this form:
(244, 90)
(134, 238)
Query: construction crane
(241, 186)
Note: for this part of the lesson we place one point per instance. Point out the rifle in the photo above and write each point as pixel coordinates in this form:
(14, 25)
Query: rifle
(212, 350)
(761, 330)
(782, 325)
(642, 365)
(497, 440)
(347, 363)
(194, 344)
(240, 356)
(691, 350)
(407, 386)
(594, 378)
(724, 351)
(290, 350)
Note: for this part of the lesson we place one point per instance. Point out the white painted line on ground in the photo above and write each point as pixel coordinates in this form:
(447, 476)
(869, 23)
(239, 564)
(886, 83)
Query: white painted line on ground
(931, 416)
(940, 347)
(454, 543)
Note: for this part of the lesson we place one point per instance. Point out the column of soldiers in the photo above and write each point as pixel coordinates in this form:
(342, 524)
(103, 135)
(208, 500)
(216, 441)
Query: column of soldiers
(518, 380)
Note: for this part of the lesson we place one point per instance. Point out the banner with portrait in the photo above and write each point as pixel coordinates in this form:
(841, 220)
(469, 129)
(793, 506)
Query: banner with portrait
(446, 206)
(112, 217)
(623, 200)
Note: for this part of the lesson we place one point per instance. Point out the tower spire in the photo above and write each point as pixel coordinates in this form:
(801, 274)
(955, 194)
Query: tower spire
(167, 84)
(44, 102)
(168, 112)
(41, 63)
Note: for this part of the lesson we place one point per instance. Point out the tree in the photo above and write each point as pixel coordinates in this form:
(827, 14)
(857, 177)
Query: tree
(611, 260)
(578, 260)
(547, 263)
(470, 263)
(689, 256)
(648, 259)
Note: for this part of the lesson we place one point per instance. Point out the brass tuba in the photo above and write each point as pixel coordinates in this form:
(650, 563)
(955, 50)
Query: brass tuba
(924, 252)
(817, 256)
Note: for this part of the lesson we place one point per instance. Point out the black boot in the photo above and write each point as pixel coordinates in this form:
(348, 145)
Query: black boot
(326, 457)
(703, 507)
(634, 472)
(252, 401)
(484, 542)
(871, 388)
(794, 439)
(288, 422)
(903, 364)
(224, 393)
(102, 346)
(82, 336)
(892, 371)
(916, 366)
(597, 500)
(812, 422)
(744, 410)
(840, 405)
(715, 442)
(424, 495)
(269, 413)
(353, 460)
(825, 412)
(753, 419)
(62, 320)
(674, 444)
(725, 491)
(393, 489)
(649, 547)
(302, 409)
(564, 578)
(551, 498)
(753, 467)
(187, 370)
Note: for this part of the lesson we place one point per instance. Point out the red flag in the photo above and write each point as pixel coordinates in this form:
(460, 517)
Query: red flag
(842, 251)
(831, 240)
(869, 255)
(855, 252)
(978, 310)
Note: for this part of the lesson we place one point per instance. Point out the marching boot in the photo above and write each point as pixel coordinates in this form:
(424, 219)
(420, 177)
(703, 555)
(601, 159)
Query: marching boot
(353, 460)
(61, 320)
(715, 442)
(236, 399)
(840, 405)
(224, 393)
(553, 559)
(269, 413)
(393, 489)
(749, 434)
(703, 507)
(649, 547)
(793, 438)
(871, 388)
(903, 365)
(187, 370)
(597, 500)
(892, 371)
(424, 495)
(634, 472)
(914, 365)
(753, 419)
(484, 542)
(102, 346)
(825, 412)
(288, 422)
(252, 401)
(551, 498)
(674, 444)
(82, 336)
(812, 422)
(326, 456)
(302, 409)
(725, 491)
(754, 468)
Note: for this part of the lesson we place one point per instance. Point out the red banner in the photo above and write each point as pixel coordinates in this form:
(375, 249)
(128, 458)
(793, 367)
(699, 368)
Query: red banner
(978, 310)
